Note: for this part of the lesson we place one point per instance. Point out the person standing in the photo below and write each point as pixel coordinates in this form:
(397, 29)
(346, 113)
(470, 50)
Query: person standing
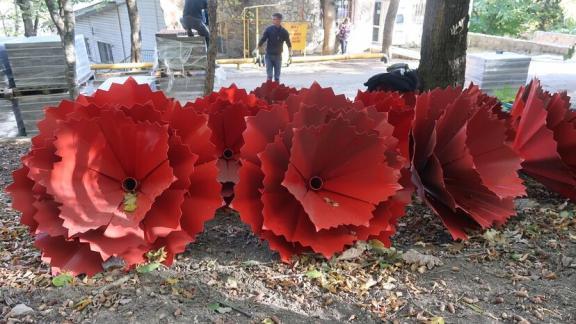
(193, 18)
(343, 34)
(275, 36)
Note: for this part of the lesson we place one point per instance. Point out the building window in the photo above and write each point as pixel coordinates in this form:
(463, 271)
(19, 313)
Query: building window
(400, 19)
(105, 51)
(88, 48)
(418, 10)
(343, 9)
(377, 15)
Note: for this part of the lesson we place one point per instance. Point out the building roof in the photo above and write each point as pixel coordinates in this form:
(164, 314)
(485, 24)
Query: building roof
(94, 7)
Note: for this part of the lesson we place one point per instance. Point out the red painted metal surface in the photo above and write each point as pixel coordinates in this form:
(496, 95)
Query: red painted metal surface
(320, 173)
(400, 113)
(227, 110)
(462, 166)
(117, 174)
(273, 92)
(545, 137)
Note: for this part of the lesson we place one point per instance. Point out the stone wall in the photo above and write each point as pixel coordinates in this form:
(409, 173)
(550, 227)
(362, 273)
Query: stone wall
(554, 38)
(514, 45)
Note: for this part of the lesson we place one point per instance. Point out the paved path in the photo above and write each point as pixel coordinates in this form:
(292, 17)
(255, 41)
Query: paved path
(345, 77)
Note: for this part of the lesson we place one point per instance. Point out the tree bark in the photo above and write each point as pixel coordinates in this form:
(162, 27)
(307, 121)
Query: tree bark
(27, 14)
(212, 49)
(62, 16)
(16, 19)
(388, 31)
(135, 35)
(329, 23)
(444, 43)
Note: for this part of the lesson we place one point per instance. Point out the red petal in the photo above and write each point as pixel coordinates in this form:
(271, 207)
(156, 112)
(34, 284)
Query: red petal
(261, 129)
(202, 200)
(247, 195)
(68, 256)
(273, 91)
(23, 198)
(131, 247)
(164, 216)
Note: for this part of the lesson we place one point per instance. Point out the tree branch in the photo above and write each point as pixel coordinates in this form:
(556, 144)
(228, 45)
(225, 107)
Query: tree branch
(55, 14)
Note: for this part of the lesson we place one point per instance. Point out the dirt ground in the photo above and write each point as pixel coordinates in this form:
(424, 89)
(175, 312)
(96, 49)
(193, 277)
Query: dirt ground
(524, 272)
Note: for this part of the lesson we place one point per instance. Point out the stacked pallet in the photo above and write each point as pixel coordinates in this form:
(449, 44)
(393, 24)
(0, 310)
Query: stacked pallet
(39, 63)
(497, 71)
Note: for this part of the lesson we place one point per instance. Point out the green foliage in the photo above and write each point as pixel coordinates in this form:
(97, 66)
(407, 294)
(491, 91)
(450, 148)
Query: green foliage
(515, 17)
(63, 279)
(569, 27)
(506, 94)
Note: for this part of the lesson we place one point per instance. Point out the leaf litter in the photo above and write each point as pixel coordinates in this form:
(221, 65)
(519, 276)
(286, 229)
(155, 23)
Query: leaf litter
(523, 271)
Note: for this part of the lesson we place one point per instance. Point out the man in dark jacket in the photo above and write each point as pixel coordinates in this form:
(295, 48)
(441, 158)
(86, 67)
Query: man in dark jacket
(193, 18)
(275, 36)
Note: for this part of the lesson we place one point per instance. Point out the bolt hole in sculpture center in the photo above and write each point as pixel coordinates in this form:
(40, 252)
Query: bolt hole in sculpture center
(129, 184)
(316, 183)
(376, 150)
(228, 154)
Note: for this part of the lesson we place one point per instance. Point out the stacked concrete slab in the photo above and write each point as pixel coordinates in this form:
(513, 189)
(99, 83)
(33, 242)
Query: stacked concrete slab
(39, 62)
(30, 109)
(493, 71)
(37, 77)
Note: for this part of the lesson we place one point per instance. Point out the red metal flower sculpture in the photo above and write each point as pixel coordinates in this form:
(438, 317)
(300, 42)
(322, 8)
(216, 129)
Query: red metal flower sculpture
(320, 174)
(118, 174)
(273, 92)
(545, 130)
(466, 174)
(227, 110)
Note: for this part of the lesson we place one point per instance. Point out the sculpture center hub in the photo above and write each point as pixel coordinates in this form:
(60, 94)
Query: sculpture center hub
(227, 154)
(316, 183)
(129, 184)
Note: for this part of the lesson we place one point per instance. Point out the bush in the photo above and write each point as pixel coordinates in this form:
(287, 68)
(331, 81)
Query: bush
(515, 17)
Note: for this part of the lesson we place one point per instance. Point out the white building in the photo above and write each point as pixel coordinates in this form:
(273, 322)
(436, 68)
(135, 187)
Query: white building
(106, 29)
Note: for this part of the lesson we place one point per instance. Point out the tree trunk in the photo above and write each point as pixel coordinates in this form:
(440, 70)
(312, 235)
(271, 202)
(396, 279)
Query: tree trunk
(135, 36)
(444, 43)
(27, 14)
(16, 19)
(62, 16)
(212, 49)
(388, 31)
(329, 23)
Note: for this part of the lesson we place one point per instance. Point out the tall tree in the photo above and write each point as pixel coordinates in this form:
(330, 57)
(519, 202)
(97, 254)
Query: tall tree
(388, 31)
(135, 35)
(212, 48)
(62, 15)
(29, 19)
(444, 43)
(329, 23)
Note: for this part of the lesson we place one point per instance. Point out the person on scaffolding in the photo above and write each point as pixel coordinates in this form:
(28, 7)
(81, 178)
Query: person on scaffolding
(275, 36)
(195, 16)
